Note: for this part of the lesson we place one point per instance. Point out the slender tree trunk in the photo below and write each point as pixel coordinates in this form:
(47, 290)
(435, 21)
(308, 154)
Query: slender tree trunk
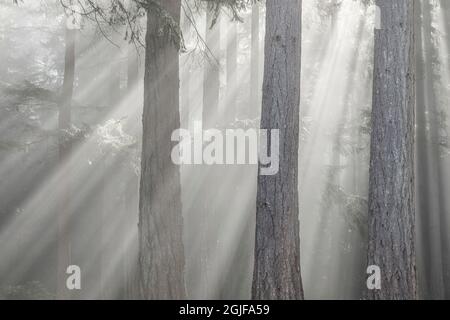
(255, 88)
(277, 247)
(186, 97)
(430, 186)
(132, 69)
(207, 174)
(186, 79)
(64, 123)
(391, 185)
(422, 165)
(439, 213)
(211, 77)
(232, 70)
(445, 6)
(161, 252)
(185, 94)
(131, 279)
(114, 93)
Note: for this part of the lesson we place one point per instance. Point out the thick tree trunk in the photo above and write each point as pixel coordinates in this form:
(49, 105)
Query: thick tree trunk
(391, 186)
(161, 252)
(64, 123)
(277, 247)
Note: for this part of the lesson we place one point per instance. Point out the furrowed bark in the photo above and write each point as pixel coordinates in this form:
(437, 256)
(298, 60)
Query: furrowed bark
(277, 247)
(391, 186)
(161, 252)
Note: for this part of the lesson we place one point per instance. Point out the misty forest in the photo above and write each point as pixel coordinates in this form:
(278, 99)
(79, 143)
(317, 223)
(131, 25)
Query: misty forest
(352, 97)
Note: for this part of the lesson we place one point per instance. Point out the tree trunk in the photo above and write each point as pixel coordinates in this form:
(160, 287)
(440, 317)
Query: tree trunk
(132, 68)
(114, 93)
(445, 7)
(437, 187)
(132, 189)
(277, 247)
(206, 211)
(232, 70)
(185, 93)
(424, 252)
(255, 88)
(391, 182)
(64, 123)
(161, 252)
(211, 77)
(430, 184)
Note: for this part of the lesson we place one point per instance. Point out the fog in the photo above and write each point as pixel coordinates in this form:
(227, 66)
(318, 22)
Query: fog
(97, 183)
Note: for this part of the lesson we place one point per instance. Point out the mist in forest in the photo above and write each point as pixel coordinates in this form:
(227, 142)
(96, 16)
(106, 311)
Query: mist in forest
(93, 207)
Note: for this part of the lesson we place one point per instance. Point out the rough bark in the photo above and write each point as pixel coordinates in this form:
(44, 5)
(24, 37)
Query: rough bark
(277, 244)
(64, 123)
(161, 252)
(391, 182)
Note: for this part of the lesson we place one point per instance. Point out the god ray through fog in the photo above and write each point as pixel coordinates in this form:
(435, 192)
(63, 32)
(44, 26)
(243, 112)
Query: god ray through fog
(227, 147)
